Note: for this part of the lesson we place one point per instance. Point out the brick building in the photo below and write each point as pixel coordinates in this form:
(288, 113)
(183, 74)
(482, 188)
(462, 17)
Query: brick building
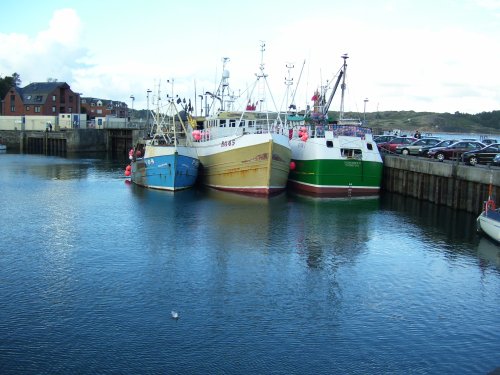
(95, 107)
(41, 98)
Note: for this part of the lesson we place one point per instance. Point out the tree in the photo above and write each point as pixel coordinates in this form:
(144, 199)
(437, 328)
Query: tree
(6, 83)
(17, 79)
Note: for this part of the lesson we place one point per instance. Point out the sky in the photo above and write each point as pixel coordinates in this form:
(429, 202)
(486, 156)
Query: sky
(431, 56)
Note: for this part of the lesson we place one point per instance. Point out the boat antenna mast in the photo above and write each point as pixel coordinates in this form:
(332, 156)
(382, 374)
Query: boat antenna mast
(265, 85)
(171, 109)
(343, 86)
(261, 89)
(219, 93)
(224, 82)
(292, 102)
(340, 76)
(288, 83)
(157, 114)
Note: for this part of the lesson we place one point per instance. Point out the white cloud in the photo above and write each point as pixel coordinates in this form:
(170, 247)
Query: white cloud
(488, 4)
(51, 53)
(412, 68)
(424, 68)
(64, 30)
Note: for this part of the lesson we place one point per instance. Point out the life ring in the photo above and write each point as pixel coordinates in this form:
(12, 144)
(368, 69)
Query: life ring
(490, 205)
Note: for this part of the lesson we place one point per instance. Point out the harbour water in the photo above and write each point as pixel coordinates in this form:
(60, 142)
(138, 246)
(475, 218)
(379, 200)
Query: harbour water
(92, 266)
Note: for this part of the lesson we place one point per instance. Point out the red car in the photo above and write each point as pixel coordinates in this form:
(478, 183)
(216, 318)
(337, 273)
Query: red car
(395, 142)
(455, 150)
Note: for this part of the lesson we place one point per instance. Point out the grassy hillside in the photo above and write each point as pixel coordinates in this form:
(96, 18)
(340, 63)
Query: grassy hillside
(429, 122)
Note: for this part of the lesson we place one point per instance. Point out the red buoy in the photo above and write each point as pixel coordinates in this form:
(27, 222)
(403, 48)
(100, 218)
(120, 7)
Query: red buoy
(292, 165)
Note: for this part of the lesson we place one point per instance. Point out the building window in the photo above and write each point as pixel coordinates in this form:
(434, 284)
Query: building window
(53, 109)
(37, 109)
(12, 108)
(99, 111)
(27, 108)
(70, 110)
(12, 98)
(71, 99)
(53, 98)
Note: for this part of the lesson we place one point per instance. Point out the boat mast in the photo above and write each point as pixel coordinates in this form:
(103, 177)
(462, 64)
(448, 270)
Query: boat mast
(345, 57)
(297, 86)
(224, 82)
(261, 89)
(334, 90)
(172, 106)
(157, 114)
(288, 83)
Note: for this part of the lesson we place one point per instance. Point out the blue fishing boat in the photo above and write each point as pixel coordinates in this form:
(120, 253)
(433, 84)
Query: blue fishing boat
(166, 160)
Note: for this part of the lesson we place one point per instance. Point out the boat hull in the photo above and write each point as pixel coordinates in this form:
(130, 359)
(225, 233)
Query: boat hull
(321, 169)
(166, 168)
(489, 223)
(251, 164)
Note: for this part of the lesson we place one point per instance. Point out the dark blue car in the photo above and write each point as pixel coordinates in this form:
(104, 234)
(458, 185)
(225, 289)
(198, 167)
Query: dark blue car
(482, 156)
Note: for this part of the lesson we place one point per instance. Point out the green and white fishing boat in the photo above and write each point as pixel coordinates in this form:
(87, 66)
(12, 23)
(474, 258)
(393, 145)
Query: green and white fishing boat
(333, 158)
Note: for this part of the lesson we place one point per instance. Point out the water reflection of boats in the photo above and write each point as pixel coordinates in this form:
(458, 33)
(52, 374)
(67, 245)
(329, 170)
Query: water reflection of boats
(153, 198)
(489, 251)
(242, 221)
(369, 201)
(331, 231)
(235, 198)
(173, 206)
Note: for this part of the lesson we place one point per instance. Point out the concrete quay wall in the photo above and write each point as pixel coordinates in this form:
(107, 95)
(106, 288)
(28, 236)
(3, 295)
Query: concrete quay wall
(454, 185)
(70, 140)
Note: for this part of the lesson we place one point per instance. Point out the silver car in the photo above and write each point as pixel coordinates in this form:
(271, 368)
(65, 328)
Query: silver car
(413, 148)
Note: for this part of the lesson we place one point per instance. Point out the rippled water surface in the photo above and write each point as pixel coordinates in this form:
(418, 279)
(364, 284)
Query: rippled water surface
(92, 266)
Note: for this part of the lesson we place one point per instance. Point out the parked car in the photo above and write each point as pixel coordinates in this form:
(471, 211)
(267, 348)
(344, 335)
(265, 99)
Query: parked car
(393, 143)
(496, 161)
(413, 148)
(482, 156)
(454, 151)
(489, 141)
(383, 138)
(425, 149)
